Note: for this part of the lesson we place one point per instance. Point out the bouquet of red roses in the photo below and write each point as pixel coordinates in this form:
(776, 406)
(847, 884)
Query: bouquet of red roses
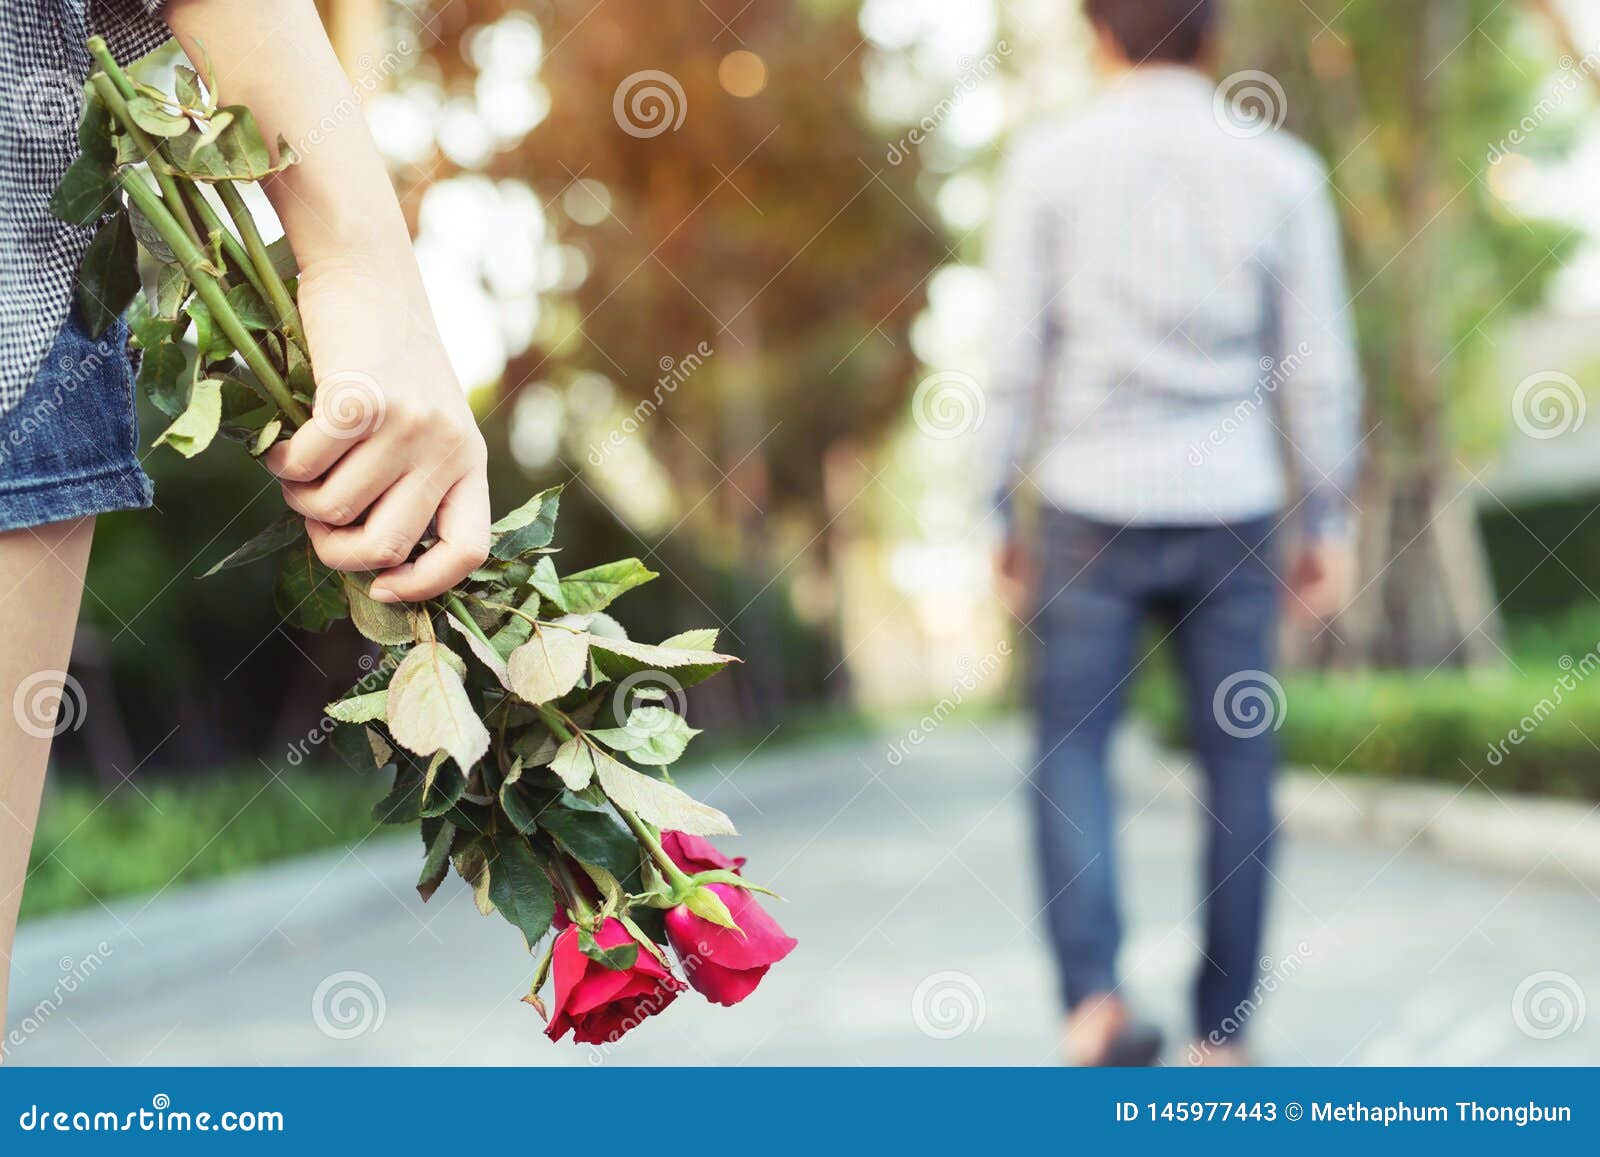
(528, 734)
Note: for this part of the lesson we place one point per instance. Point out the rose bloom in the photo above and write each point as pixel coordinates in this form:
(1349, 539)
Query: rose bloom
(695, 854)
(725, 965)
(598, 1004)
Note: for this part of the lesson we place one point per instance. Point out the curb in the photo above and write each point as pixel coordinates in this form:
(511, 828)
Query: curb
(1519, 835)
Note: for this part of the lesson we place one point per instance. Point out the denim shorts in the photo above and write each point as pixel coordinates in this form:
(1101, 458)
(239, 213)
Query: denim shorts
(69, 448)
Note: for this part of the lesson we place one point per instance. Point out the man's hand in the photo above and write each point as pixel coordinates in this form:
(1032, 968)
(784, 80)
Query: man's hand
(1016, 577)
(1322, 578)
(392, 446)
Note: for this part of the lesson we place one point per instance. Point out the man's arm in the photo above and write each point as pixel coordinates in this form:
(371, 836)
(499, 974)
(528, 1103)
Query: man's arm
(1022, 333)
(1321, 396)
(392, 446)
(1022, 337)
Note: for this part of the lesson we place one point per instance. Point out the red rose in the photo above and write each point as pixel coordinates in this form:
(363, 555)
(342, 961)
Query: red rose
(600, 1004)
(696, 854)
(723, 964)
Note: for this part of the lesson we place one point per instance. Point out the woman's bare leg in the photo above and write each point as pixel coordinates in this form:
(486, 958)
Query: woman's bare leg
(41, 584)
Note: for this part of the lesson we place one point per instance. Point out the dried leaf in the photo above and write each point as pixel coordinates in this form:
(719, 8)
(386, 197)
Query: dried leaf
(656, 802)
(619, 658)
(484, 653)
(653, 735)
(548, 665)
(574, 763)
(429, 710)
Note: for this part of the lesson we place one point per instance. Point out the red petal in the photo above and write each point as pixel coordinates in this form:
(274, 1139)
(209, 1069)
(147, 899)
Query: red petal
(567, 966)
(759, 940)
(696, 853)
(725, 986)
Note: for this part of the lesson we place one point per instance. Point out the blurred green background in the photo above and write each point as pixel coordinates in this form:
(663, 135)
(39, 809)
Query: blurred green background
(713, 331)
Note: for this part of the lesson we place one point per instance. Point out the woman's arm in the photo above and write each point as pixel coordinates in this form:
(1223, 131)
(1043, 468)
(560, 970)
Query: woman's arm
(392, 442)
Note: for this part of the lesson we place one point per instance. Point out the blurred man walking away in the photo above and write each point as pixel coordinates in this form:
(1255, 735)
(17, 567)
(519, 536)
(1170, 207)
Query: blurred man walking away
(1173, 342)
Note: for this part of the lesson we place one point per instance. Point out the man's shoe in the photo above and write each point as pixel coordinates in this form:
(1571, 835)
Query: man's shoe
(1136, 1045)
(1100, 1032)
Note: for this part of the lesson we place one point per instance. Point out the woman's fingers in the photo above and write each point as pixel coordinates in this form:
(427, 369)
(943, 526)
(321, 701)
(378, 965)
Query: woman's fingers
(309, 454)
(394, 525)
(349, 409)
(342, 496)
(463, 525)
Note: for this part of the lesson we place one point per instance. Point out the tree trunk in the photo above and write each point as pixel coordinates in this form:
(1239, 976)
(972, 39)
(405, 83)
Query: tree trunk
(1429, 599)
(745, 500)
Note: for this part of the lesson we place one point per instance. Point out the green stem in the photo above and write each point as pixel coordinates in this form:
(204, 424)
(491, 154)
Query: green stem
(562, 728)
(275, 291)
(210, 291)
(559, 724)
(458, 611)
(116, 92)
(192, 198)
(237, 257)
(681, 883)
(573, 890)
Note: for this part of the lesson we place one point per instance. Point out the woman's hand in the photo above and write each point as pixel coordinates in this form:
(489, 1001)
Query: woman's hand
(392, 445)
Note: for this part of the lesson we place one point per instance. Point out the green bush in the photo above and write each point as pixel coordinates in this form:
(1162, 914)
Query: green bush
(1450, 725)
(91, 847)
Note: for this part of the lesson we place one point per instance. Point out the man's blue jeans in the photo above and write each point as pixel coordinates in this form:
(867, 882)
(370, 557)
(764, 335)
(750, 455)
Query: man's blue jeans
(1214, 587)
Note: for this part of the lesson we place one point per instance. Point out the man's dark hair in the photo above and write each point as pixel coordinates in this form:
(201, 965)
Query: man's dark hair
(1156, 31)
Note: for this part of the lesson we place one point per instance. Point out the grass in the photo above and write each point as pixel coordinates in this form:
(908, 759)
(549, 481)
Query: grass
(155, 832)
(146, 836)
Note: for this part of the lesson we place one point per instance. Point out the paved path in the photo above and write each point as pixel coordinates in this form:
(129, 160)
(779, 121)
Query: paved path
(910, 890)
